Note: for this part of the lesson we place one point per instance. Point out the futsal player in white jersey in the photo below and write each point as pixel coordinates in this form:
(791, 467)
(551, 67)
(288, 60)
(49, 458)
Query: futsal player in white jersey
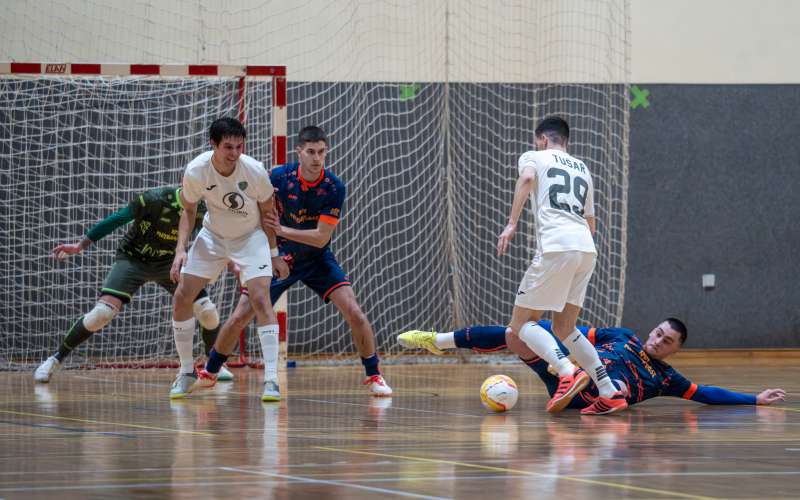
(238, 196)
(561, 190)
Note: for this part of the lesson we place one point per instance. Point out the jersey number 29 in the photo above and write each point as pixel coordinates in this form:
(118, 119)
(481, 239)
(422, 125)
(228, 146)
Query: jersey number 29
(578, 186)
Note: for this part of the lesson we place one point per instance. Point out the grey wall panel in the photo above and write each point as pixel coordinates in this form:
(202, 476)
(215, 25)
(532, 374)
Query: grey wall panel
(715, 188)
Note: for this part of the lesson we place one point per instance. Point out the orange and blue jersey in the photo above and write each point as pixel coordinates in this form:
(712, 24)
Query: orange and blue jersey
(303, 204)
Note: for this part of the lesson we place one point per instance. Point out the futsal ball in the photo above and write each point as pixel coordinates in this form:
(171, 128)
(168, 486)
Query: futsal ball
(499, 393)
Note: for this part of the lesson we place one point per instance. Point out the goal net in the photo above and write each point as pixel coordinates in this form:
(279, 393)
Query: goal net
(431, 166)
(80, 142)
(427, 106)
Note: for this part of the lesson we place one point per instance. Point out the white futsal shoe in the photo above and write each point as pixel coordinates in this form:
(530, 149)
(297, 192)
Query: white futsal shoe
(378, 386)
(224, 375)
(271, 391)
(45, 371)
(182, 385)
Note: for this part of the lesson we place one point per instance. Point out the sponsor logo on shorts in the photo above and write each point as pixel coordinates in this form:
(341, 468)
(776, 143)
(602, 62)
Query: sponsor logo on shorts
(261, 268)
(209, 188)
(521, 292)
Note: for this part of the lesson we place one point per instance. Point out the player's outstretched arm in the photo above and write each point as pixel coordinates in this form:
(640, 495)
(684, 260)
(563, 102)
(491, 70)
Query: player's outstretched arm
(96, 233)
(769, 396)
(525, 184)
(719, 396)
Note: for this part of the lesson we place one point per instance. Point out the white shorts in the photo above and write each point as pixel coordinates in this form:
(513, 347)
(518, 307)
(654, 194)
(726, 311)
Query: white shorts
(555, 279)
(210, 254)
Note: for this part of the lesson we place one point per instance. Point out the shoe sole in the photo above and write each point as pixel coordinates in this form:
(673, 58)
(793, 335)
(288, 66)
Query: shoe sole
(270, 399)
(178, 396)
(196, 387)
(577, 387)
(614, 409)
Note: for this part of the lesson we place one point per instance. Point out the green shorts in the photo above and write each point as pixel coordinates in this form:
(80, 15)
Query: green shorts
(127, 276)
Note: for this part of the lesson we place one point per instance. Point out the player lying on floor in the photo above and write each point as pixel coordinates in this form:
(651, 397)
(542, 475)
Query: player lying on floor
(639, 371)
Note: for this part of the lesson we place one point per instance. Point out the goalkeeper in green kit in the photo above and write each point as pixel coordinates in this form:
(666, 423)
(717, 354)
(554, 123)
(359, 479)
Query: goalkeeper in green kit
(144, 255)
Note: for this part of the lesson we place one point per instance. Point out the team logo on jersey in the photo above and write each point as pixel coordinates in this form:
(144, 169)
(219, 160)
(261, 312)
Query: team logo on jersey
(233, 200)
(243, 185)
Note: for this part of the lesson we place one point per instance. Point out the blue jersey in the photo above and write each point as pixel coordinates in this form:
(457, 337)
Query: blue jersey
(623, 355)
(303, 204)
(628, 364)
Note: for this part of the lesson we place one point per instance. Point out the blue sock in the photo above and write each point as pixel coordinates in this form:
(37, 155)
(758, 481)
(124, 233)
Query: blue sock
(371, 365)
(481, 338)
(215, 361)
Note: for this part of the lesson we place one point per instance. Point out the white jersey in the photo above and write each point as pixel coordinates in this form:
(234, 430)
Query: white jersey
(231, 202)
(563, 197)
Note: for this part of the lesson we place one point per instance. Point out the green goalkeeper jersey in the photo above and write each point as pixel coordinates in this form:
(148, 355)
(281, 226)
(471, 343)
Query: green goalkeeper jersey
(154, 233)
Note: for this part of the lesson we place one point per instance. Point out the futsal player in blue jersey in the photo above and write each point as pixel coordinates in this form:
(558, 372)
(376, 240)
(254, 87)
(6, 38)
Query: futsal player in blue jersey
(638, 370)
(310, 199)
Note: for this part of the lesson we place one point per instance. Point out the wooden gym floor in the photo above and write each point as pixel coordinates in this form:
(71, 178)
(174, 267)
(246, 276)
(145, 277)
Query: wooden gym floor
(104, 434)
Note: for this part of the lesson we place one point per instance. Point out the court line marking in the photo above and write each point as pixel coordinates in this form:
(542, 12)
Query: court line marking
(70, 429)
(192, 484)
(88, 421)
(333, 483)
(392, 462)
(525, 473)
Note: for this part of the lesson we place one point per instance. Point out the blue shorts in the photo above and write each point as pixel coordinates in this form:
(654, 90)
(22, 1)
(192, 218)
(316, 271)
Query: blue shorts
(321, 274)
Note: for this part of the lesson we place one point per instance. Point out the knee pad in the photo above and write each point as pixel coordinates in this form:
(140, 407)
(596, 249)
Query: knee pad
(206, 313)
(100, 316)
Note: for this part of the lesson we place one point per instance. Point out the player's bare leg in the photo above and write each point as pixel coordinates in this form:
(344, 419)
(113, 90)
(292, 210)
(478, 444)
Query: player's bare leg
(364, 338)
(183, 325)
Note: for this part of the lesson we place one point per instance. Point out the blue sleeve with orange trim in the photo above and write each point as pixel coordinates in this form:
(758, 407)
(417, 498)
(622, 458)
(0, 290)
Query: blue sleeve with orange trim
(332, 210)
(680, 387)
(718, 396)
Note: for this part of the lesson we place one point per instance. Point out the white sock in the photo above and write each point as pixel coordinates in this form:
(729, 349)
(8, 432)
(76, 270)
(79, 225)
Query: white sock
(183, 332)
(268, 334)
(586, 356)
(545, 346)
(445, 340)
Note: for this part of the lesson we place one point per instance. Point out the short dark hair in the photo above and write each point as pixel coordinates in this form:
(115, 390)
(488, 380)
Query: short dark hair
(226, 127)
(555, 128)
(679, 327)
(312, 133)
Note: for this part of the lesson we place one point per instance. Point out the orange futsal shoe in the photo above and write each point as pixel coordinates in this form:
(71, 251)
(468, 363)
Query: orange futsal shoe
(604, 406)
(205, 380)
(568, 388)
